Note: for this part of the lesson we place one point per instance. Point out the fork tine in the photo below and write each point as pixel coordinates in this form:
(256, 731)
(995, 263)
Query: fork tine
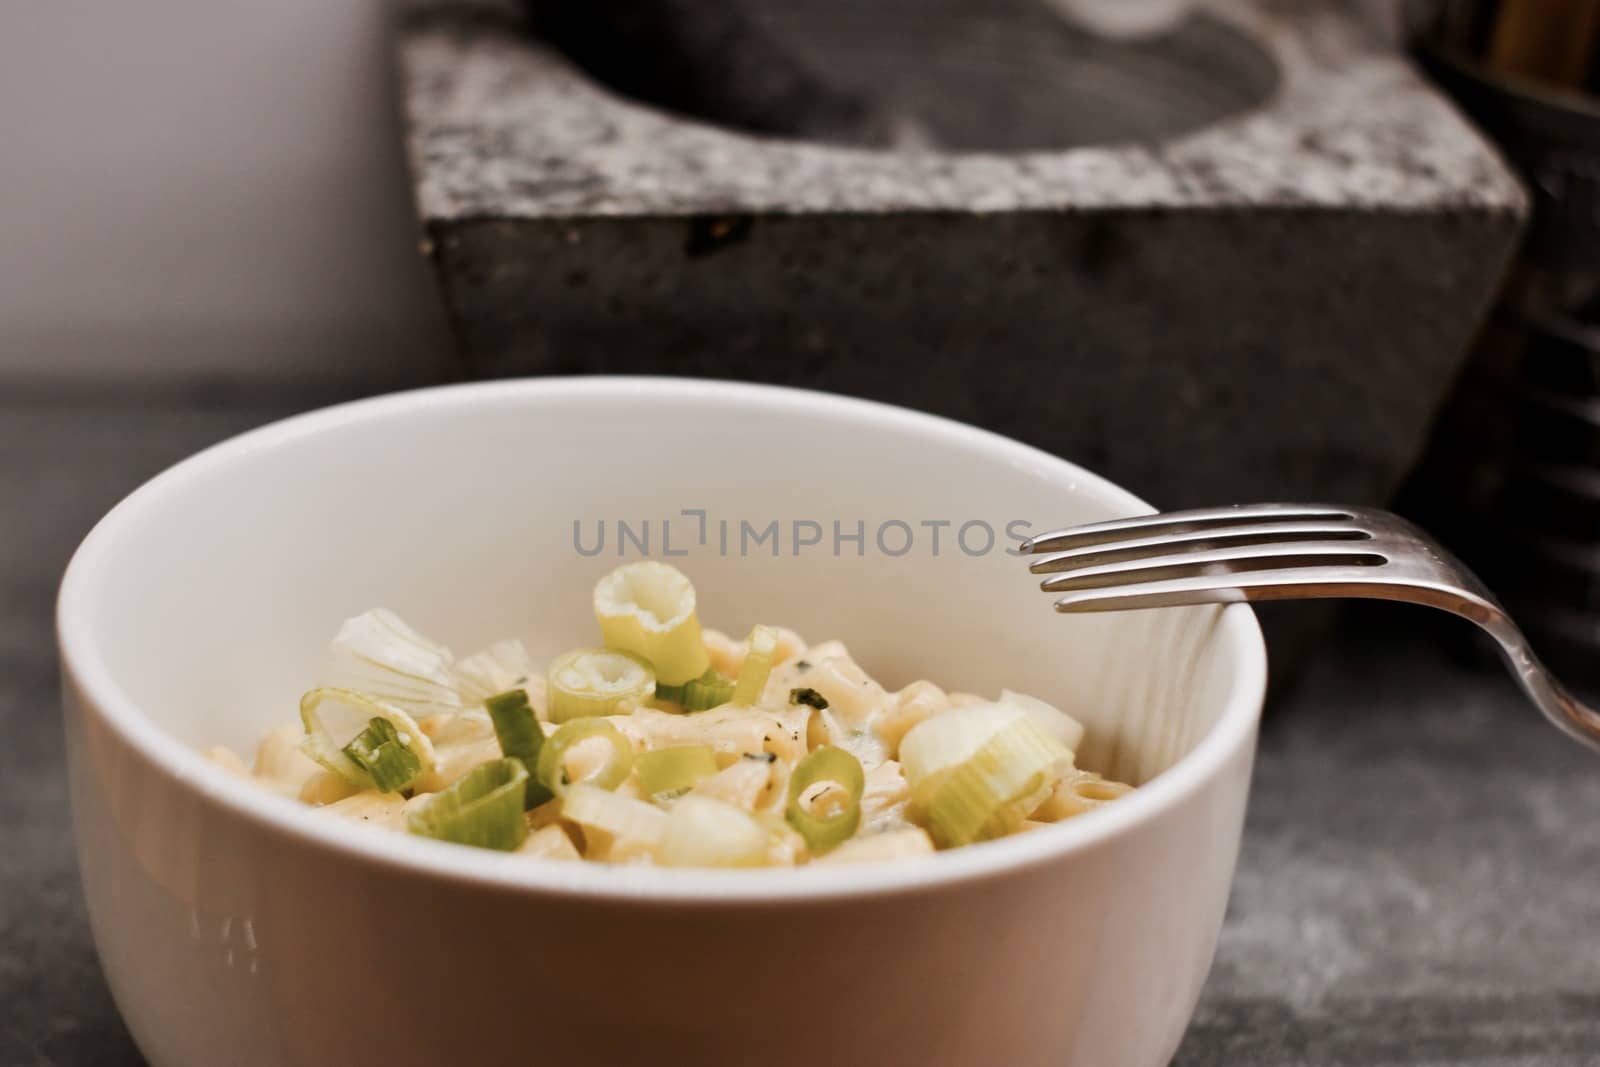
(1283, 583)
(1226, 561)
(1179, 521)
(1169, 543)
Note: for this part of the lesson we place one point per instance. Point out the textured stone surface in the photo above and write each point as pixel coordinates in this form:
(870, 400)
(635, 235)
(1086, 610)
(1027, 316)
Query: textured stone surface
(1416, 887)
(1279, 377)
(1284, 294)
(502, 127)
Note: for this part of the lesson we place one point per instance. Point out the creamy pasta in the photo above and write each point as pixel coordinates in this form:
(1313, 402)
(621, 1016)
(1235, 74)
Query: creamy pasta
(668, 744)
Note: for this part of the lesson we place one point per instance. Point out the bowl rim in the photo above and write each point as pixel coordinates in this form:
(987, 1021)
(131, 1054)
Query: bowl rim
(84, 670)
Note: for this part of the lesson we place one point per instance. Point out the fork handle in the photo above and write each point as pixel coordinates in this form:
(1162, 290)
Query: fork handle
(1569, 715)
(1566, 712)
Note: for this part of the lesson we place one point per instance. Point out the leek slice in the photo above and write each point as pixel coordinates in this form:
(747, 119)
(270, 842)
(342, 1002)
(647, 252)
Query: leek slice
(827, 766)
(1049, 718)
(378, 653)
(935, 745)
(598, 681)
(612, 771)
(334, 718)
(990, 794)
(379, 751)
(668, 771)
(757, 666)
(503, 665)
(701, 832)
(710, 690)
(648, 608)
(520, 737)
(622, 817)
(482, 808)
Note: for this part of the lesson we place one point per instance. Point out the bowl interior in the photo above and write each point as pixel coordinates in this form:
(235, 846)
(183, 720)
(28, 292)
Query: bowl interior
(475, 512)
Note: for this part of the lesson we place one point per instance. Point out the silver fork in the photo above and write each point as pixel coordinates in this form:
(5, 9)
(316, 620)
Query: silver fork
(1287, 552)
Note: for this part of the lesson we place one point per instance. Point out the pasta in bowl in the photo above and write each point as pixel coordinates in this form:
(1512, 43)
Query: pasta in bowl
(668, 745)
(239, 924)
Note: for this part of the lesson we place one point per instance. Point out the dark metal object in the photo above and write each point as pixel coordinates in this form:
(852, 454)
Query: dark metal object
(1553, 137)
(1549, 514)
(1536, 532)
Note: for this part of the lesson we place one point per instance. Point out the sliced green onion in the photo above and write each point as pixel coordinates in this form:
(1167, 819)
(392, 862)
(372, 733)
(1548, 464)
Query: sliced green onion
(520, 737)
(379, 751)
(934, 746)
(598, 681)
(612, 772)
(1049, 718)
(648, 608)
(701, 832)
(826, 765)
(334, 718)
(482, 808)
(622, 817)
(990, 793)
(710, 690)
(672, 770)
(503, 665)
(514, 725)
(757, 666)
(809, 697)
(378, 654)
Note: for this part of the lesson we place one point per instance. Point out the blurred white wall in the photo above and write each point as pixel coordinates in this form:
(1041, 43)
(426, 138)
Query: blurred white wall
(206, 189)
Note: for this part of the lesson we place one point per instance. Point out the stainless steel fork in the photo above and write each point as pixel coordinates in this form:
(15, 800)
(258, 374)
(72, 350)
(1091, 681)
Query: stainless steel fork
(1287, 552)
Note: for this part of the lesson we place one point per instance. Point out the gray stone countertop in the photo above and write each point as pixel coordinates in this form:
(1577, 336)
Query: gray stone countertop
(1419, 883)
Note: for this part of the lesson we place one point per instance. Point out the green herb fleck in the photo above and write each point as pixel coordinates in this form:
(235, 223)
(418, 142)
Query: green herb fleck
(808, 697)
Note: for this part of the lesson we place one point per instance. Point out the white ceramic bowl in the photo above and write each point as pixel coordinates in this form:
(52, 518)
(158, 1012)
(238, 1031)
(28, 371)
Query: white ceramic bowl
(239, 928)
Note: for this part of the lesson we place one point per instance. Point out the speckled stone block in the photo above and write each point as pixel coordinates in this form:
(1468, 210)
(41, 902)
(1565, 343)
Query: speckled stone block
(1267, 305)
